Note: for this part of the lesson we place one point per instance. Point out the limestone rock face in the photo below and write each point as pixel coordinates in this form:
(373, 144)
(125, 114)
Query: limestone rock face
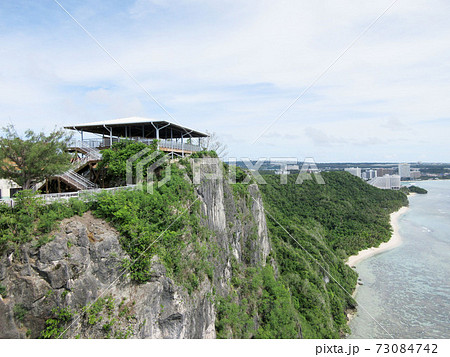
(83, 263)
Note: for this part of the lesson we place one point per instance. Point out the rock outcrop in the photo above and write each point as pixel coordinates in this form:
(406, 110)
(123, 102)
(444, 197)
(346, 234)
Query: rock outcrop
(83, 264)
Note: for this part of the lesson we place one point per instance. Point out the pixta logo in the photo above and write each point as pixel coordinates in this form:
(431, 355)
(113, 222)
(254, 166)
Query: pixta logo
(210, 169)
(144, 165)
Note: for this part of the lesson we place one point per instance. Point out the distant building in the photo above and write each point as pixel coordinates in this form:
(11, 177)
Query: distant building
(386, 182)
(282, 172)
(293, 167)
(386, 171)
(355, 171)
(415, 174)
(369, 174)
(7, 188)
(404, 170)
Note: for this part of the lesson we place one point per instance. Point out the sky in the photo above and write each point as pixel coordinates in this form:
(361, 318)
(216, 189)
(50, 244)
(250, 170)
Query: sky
(371, 91)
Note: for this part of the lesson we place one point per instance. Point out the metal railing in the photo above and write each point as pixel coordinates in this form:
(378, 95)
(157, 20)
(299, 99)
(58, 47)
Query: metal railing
(86, 143)
(78, 181)
(91, 155)
(163, 143)
(85, 195)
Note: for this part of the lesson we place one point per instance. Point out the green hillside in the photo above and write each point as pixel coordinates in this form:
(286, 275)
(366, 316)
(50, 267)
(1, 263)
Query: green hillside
(313, 228)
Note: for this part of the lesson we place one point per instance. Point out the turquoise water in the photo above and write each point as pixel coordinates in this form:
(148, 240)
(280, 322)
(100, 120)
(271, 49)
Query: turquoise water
(407, 289)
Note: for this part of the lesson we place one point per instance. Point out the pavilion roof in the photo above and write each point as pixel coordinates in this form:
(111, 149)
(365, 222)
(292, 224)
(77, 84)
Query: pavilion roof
(137, 127)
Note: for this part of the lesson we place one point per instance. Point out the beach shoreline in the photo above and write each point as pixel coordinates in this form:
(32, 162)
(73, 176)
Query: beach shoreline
(395, 240)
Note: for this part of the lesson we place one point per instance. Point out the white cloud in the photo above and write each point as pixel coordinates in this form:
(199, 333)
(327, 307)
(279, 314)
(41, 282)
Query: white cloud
(234, 67)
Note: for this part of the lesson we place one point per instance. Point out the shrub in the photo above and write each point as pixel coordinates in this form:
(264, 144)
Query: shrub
(3, 291)
(55, 327)
(19, 312)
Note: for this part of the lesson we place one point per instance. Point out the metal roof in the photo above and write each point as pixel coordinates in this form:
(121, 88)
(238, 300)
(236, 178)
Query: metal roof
(137, 127)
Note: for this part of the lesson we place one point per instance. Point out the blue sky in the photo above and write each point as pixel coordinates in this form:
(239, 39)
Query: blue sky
(232, 67)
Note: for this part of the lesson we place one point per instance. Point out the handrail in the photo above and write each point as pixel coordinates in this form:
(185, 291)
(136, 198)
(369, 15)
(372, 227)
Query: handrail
(78, 179)
(93, 144)
(53, 197)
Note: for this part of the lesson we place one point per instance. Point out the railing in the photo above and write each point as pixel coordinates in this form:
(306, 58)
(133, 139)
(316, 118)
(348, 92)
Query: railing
(77, 180)
(86, 143)
(85, 195)
(163, 143)
(7, 201)
(170, 144)
(91, 155)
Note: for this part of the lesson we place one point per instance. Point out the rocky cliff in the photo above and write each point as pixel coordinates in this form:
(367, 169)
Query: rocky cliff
(76, 286)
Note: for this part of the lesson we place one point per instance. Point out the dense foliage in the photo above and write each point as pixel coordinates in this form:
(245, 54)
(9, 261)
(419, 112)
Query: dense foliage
(313, 228)
(31, 159)
(258, 296)
(302, 291)
(114, 160)
(165, 223)
(31, 220)
(416, 189)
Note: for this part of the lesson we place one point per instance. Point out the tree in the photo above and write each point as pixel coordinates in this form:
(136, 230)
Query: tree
(212, 142)
(34, 157)
(114, 160)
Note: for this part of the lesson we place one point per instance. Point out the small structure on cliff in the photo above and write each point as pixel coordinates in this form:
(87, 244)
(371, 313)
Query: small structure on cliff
(172, 138)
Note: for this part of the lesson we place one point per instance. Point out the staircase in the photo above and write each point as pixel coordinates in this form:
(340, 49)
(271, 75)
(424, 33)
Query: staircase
(76, 180)
(71, 177)
(91, 154)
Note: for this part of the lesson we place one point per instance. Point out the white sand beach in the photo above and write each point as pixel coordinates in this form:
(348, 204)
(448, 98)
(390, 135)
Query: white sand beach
(395, 241)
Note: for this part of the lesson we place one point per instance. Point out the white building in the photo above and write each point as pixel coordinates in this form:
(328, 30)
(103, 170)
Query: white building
(369, 174)
(386, 182)
(293, 167)
(6, 188)
(282, 172)
(404, 170)
(355, 171)
(415, 174)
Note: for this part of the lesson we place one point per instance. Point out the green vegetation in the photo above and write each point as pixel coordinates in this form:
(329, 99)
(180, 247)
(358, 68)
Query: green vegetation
(416, 189)
(258, 294)
(352, 214)
(3, 291)
(31, 220)
(203, 153)
(114, 160)
(326, 224)
(19, 312)
(165, 223)
(298, 293)
(115, 321)
(92, 313)
(32, 159)
(55, 326)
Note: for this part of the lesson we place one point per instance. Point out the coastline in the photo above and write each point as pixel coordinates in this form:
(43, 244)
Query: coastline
(395, 241)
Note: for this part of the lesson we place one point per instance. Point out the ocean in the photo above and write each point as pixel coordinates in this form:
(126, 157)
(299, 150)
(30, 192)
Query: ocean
(407, 289)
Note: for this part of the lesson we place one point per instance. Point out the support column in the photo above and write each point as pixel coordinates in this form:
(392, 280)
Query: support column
(171, 140)
(157, 137)
(182, 146)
